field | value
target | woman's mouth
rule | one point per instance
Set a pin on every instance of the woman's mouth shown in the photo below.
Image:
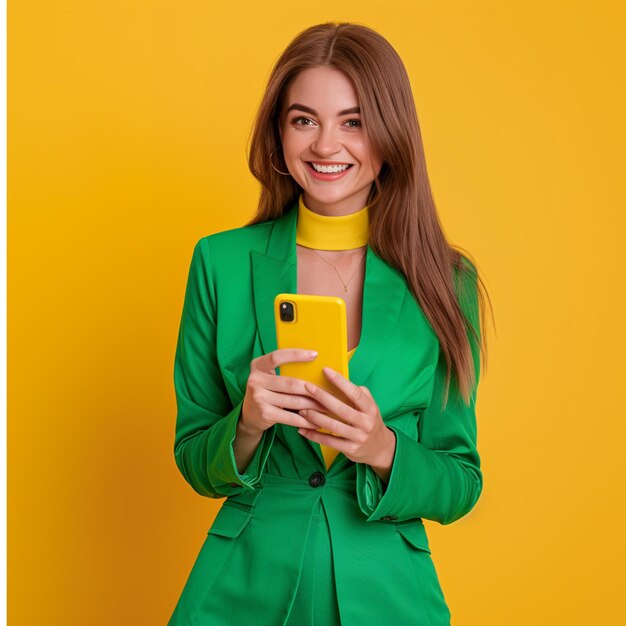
(328, 171)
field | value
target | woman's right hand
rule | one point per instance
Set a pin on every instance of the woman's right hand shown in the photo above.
(270, 399)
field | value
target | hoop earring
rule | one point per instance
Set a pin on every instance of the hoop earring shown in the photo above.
(282, 173)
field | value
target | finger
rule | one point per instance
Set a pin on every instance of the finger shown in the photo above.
(281, 391)
(325, 439)
(359, 399)
(340, 409)
(269, 362)
(285, 384)
(291, 401)
(277, 415)
(339, 428)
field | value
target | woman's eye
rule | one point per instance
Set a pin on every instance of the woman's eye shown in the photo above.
(302, 121)
(354, 123)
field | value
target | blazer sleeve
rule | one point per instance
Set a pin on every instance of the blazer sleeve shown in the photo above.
(438, 477)
(206, 419)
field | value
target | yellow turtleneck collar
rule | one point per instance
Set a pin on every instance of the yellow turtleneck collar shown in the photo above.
(336, 232)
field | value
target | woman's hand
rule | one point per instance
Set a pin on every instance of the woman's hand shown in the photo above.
(364, 437)
(271, 399)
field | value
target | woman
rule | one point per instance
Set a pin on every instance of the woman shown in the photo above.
(319, 528)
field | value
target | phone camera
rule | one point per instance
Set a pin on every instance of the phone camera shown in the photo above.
(286, 311)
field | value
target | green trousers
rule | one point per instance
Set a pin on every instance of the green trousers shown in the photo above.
(315, 603)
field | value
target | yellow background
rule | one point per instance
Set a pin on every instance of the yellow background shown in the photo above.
(127, 128)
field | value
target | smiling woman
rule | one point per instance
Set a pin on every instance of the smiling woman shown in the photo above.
(322, 523)
(329, 143)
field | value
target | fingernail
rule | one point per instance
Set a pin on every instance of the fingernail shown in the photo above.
(312, 353)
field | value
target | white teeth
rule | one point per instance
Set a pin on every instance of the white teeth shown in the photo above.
(330, 169)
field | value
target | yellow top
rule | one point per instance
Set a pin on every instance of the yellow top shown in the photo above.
(331, 232)
(336, 232)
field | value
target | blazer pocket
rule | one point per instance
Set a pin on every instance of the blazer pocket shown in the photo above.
(420, 390)
(230, 520)
(415, 534)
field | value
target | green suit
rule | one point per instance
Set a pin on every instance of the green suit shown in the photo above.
(248, 568)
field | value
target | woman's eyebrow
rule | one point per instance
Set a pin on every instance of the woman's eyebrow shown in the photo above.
(302, 107)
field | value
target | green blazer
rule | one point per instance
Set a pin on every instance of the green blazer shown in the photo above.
(248, 567)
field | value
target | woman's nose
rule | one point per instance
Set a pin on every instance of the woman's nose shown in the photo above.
(326, 143)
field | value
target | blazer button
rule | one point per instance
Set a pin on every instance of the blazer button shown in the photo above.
(316, 479)
(391, 517)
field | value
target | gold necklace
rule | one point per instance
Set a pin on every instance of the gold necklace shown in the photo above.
(345, 285)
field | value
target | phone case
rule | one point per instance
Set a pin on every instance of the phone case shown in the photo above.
(319, 323)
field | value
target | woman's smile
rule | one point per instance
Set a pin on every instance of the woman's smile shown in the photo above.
(328, 171)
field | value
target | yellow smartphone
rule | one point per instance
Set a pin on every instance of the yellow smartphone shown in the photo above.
(313, 322)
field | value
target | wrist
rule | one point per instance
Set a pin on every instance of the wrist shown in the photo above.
(383, 462)
(246, 430)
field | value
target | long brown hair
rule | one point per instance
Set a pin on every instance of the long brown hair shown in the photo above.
(404, 226)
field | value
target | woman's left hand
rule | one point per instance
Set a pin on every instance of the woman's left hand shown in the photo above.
(364, 437)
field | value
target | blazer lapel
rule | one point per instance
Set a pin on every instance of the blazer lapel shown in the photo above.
(275, 271)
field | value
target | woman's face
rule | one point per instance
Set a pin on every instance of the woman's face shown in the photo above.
(324, 147)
